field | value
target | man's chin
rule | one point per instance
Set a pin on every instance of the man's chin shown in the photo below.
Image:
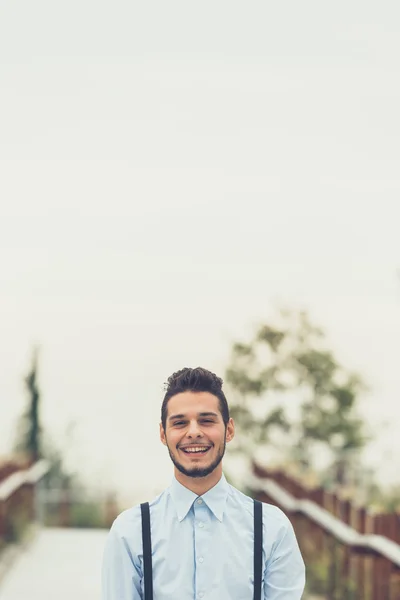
(199, 471)
(196, 471)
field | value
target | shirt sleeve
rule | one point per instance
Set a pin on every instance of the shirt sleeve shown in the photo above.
(120, 576)
(284, 577)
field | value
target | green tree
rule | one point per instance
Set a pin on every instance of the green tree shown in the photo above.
(29, 430)
(286, 365)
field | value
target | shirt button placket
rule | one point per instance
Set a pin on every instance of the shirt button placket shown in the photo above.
(201, 543)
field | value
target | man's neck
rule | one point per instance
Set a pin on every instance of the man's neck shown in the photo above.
(199, 485)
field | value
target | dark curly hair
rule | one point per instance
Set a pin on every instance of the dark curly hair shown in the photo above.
(194, 380)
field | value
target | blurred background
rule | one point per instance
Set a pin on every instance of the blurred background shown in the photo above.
(200, 185)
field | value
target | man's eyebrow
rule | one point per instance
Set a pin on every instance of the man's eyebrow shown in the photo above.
(175, 417)
(202, 414)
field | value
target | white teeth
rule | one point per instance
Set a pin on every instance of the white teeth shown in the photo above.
(195, 449)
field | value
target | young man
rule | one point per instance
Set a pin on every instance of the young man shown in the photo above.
(203, 537)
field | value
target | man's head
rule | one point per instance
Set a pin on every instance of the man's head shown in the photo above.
(195, 423)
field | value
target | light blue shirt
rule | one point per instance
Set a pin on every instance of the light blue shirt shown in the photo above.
(202, 548)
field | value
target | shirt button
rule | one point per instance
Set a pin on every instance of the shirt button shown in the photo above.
(201, 594)
(199, 501)
(201, 559)
(201, 524)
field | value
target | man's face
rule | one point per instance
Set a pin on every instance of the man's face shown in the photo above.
(195, 433)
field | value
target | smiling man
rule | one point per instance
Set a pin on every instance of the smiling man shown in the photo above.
(201, 538)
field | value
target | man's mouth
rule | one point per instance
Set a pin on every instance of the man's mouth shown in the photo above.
(195, 450)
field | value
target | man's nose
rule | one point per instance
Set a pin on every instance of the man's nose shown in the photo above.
(194, 429)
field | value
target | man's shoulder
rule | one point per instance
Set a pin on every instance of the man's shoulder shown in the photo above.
(271, 513)
(128, 517)
(131, 518)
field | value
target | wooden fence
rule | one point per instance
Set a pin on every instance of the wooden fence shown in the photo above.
(19, 499)
(350, 553)
(25, 496)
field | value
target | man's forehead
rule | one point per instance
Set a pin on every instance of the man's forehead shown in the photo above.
(193, 403)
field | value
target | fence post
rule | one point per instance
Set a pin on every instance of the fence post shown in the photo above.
(64, 508)
(2, 519)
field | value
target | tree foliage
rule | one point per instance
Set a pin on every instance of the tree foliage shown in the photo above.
(287, 368)
(29, 432)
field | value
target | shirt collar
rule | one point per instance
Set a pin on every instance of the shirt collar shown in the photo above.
(215, 498)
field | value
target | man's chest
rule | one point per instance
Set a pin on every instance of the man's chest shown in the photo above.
(202, 558)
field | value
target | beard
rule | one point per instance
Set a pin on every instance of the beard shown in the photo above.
(199, 471)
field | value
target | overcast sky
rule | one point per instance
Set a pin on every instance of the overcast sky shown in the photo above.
(169, 172)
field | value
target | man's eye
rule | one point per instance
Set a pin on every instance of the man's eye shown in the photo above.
(202, 421)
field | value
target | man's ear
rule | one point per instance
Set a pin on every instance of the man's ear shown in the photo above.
(162, 435)
(230, 430)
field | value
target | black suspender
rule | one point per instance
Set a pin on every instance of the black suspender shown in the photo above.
(148, 565)
(147, 561)
(258, 548)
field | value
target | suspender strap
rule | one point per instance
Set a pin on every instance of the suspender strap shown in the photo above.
(258, 549)
(147, 561)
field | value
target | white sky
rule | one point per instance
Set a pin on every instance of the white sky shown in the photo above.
(170, 171)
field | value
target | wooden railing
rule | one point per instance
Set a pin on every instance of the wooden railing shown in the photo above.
(18, 500)
(350, 553)
(25, 496)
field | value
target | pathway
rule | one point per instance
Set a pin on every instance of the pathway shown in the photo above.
(60, 564)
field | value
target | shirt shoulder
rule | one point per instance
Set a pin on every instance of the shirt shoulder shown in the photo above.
(274, 519)
(129, 522)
